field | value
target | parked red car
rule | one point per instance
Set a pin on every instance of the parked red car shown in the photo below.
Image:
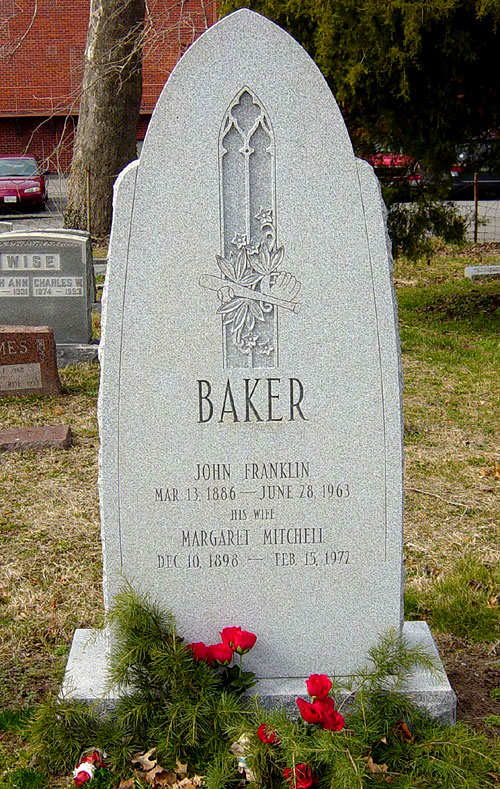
(396, 168)
(21, 182)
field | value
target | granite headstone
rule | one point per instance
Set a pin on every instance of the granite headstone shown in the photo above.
(48, 278)
(250, 403)
(28, 362)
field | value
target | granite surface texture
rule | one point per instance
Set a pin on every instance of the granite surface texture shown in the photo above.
(250, 399)
(47, 277)
(6, 227)
(265, 457)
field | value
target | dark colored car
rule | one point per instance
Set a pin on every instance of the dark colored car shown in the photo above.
(482, 158)
(21, 182)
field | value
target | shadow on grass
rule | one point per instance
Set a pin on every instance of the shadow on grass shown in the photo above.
(476, 308)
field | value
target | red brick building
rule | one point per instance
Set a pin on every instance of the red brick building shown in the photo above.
(42, 49)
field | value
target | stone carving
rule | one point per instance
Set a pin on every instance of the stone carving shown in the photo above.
(252, 284)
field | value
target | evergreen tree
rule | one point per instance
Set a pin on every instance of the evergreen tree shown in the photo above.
(419, 76)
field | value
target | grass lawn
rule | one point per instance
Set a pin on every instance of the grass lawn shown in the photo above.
(50, 576)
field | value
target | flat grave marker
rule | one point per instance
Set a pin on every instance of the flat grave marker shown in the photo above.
(482, 272)
(48, 437)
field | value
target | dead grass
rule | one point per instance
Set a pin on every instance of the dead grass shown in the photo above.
(452, 416)
(50, 579)
(50, 576)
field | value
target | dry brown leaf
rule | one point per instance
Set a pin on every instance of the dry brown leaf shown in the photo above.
(494, 601)
(129, 784)
(151, 776)
(491, 471)
(404, 732)
(376, 768)
(144, 760)
(163, 778)
(181, 769)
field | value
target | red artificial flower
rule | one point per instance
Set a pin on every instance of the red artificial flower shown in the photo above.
(83, 776)
(84, 771)
(304, 777)
(309, 713)
(319, 685)
(321, 711)
(267, 735)
(228, 635)
(334, 721)
(323, 707)
(220, 653)
(199, 650)
(241, 640)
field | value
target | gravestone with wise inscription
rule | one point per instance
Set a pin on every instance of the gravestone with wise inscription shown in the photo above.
(250, 403)
(48, 278)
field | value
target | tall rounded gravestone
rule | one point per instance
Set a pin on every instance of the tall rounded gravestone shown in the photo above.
(250, 405)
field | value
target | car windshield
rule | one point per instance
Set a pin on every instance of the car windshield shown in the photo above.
(18, 167)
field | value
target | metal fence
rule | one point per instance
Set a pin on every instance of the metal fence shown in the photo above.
(488, 219)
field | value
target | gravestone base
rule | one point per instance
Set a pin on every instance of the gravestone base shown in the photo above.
(76, 353)
(86, 671)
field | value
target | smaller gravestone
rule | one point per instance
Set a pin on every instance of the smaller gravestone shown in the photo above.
(28, 362)
(482, 272)
(48, 278)
(49, 437)
(6, 227)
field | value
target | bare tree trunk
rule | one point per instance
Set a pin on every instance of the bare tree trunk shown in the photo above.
(109, 110)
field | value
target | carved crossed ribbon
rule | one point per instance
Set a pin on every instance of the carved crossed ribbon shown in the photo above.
(281, 293)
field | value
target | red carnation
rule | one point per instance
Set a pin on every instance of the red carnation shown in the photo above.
(304, 777)
(267, 735)
(334, 721)
(321, 711)
(228, 635)
(318, 685)
(220, 653)
(323, 706)
(199, 650)
(241, 640)
(308, 711)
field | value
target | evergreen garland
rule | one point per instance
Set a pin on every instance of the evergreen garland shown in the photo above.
(182, 708)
